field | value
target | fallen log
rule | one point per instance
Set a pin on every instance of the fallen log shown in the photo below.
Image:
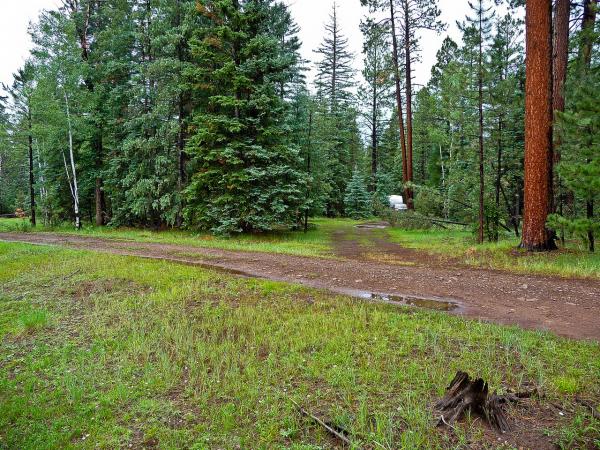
(465, 394)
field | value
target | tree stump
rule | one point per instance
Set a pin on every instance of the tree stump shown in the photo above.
(465, 394)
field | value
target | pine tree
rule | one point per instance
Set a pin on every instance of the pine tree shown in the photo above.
(335, 74)
(538, 126)
(560, 60)
(8, 186)
(21, 92)
(286, 30)
(375, 96)
(579, 129)
(481, 23)
(307, 132)
(415, 15)
(245, 175)
(357, 199)
(505, 98)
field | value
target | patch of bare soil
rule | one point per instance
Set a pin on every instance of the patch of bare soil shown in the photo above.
(529, 421)
(367, 242)
(568, 307)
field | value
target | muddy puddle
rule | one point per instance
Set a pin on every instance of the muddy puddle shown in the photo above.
(431, 303)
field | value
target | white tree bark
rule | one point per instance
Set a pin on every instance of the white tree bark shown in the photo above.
(72, 183)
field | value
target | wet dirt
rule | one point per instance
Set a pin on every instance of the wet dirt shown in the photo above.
(374, 269)
(436, 304)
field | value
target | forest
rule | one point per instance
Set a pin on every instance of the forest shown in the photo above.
(214, 235)
(198, 115)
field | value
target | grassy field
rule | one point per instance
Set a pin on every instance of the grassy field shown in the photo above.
(113, 351)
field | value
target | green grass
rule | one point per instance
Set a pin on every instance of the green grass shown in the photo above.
(572, 261)
(142, 353)
(316, 242)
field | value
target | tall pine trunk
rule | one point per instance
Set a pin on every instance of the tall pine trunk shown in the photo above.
(587, 27)
(481, 152)
(374, 156)
(409, 126)
(585, 60)
(334, 63)
(538, 126)
(395, 59)
(560, 60)
(498, 177)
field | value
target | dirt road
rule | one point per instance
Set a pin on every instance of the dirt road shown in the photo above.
(568, 307)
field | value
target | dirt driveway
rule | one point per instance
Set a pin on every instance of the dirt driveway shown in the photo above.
(568, 307)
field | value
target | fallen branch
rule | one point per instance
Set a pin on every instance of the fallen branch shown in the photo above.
(464, 394)
(593, 411)
(65, 278)
(325, 425)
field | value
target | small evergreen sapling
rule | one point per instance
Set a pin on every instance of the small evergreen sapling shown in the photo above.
(357, 199)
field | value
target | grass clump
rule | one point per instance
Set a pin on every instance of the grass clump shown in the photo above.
(150, 353)
(33, 320)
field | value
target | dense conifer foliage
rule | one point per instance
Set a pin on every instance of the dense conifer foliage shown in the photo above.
(200, 114)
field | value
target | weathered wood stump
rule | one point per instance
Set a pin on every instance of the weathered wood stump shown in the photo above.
(465, 394)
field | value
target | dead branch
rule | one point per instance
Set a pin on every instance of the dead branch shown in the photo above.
(593, 411)
(325, 425)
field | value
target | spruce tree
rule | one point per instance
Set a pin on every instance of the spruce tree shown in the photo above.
(245, 173)
(357, 199)
(337, 118)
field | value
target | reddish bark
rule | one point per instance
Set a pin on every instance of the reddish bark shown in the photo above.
(405, 178)
(590, 8)
(561, 54)
(587, 27)
(538, 126)
(409, 127)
